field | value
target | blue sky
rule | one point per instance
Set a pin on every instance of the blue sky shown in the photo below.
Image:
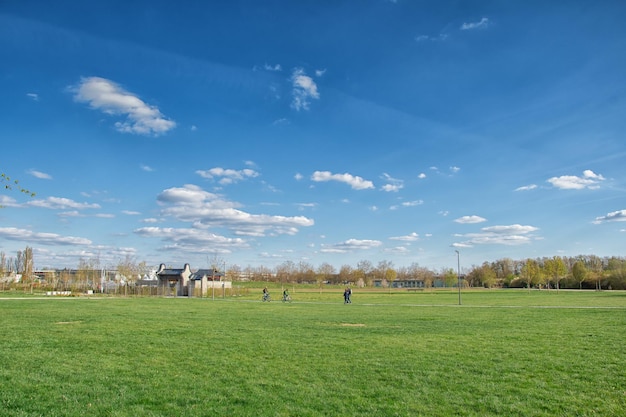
(316, 131)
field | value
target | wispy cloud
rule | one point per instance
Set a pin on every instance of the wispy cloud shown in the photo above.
(510, 235)
(33, 96)
(39, 174)
(203, 210)
(411, 237)
(614, 216)
(192, 240)
(227, 176)
(470, 219)
(407, 204)
(60, 203)
(589, 180)
(110, 98)
(146, 168)
(351, 245)
(357, 183)
(481, 24)
(430, 38)
(526, 187)
(304, 89)
(25, 235)
(394, 184)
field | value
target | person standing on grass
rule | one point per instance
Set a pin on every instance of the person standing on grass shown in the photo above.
(346, 296)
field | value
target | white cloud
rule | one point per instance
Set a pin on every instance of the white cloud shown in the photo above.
(131, 213)
(357, 183)
(482, 24)
(276, 67)
(192, 239)
(421, 176)
(304, 89)
(6, 201)
(59, 203)
(150, 220)
(298, 176)
(320, 73)
(426, 38)
(33, 96)
(512, 229)
(407, 204)
(40, 175)
(25, 235)
(515, 234)
(350, 245)
(412, 237)
(614, 216)
(394, 185)
(589, 180)
(526, 187)
(203, 209)
(470, 219)
(392, 188)
(110, 98)
(76, 213)
(146, 168)
(227, 176)
(454, 169)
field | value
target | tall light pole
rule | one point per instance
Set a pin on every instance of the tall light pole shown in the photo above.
(222, 279)
(458, 273)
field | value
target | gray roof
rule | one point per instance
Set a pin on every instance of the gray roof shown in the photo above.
(206, 273)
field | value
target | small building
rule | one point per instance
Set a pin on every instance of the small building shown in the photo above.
(174, 281)
(204, 279)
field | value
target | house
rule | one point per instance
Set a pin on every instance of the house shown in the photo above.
(203, 279)
(174, 281)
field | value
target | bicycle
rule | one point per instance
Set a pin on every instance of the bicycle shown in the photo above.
(286, 298)
(266, 297)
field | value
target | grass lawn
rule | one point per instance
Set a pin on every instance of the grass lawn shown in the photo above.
(501, 353)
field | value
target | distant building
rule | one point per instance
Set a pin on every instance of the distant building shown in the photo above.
(174, 281)
(203, 279)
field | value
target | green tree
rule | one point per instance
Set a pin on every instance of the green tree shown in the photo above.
(325, 273)
(450, 277)
(386, 273)
(579, 272)
(555, 268)
(346, 274)
(483, 275)
(129, 272)
(531, 272)
(364, 269)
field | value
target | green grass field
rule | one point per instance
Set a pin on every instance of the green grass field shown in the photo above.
(501, 353)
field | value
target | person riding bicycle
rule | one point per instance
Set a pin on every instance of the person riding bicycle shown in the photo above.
(266, 294)
(286, 296)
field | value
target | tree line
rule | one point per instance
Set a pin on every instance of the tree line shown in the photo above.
(580, 272)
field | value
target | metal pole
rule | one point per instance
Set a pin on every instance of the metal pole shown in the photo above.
(458, 273)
